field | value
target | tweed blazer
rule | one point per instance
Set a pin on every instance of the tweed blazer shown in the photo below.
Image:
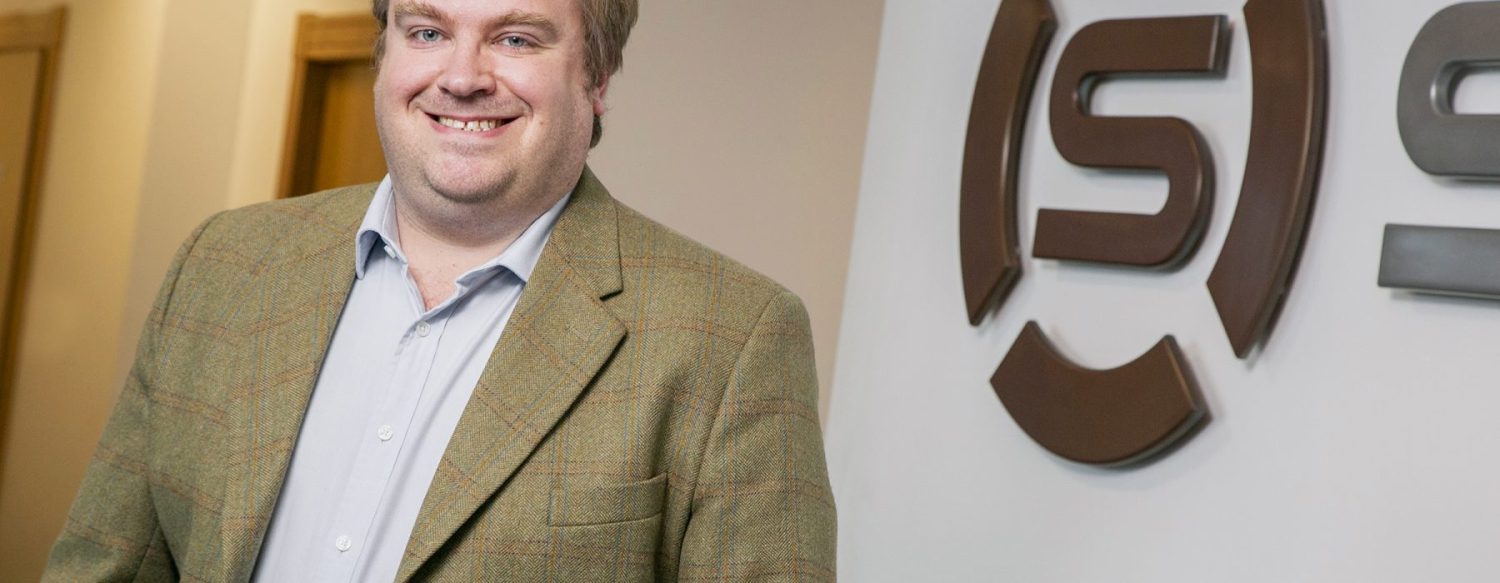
(650, 413)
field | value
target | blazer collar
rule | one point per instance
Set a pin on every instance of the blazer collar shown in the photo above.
(558, 338)
(299, 288)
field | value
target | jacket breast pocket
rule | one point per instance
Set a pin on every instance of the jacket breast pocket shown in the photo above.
(614, 503)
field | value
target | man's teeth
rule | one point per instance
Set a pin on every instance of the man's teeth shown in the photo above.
(469, 126)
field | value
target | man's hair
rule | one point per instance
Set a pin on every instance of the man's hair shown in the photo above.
(606, 28)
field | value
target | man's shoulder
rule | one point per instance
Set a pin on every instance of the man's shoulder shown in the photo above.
(678, 271)
(331, 212)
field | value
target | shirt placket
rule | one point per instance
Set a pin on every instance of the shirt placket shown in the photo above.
(381, 443)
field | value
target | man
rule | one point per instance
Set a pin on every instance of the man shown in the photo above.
(485, 368)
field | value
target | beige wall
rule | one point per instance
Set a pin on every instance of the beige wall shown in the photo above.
(65, 373)
(193, 127)
(739, 122)
(742, 124)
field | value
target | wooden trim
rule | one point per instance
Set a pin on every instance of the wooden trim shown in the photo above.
(42, 32)
(322, 42)
(33, 30)
(347, 37)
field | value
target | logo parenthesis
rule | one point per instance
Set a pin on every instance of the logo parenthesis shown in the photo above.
(1289, 64)
(992, 152)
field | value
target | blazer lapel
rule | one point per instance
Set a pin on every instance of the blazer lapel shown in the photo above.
(556, 341)
(297, 297)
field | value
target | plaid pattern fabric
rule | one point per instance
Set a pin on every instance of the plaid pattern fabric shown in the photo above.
(649, 414)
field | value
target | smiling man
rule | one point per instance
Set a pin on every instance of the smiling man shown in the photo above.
(483, 368)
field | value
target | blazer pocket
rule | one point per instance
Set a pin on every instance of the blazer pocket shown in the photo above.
(584, 506)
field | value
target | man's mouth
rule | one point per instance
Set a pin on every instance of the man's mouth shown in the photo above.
(473, 125)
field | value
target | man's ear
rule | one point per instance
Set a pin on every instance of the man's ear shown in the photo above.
(596, 95)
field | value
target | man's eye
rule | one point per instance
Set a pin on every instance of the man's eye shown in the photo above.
(428, 35)
(514, 42)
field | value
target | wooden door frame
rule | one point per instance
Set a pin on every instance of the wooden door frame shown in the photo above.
(26, 31)
(323, 43)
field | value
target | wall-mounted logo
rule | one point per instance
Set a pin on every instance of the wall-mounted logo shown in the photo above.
(1124, 415)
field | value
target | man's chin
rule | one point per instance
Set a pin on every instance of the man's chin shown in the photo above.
(466, 196)
(468, 191)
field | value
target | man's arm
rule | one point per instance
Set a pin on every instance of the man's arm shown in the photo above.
(112, 532)
(762, 506)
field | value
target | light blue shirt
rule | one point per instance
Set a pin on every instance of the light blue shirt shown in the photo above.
(391, 391)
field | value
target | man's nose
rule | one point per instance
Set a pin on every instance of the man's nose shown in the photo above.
(468, 72)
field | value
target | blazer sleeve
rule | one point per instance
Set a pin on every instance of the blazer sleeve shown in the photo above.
(112, 532)
(762, 506)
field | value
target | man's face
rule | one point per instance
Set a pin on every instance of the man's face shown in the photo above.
(483, 99)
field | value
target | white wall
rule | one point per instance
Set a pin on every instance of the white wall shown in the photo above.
(1356, 446)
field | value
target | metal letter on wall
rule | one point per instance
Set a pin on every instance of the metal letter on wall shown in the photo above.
(1138, 410)
(992, 154)
(1454, 41)
(1194, 44)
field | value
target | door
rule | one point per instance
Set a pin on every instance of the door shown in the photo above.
(331, 138)
(29, 43)
(28, 54)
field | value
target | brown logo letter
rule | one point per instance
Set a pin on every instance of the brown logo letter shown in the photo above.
(1194, 44)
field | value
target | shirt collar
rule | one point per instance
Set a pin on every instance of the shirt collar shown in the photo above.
(379, 228)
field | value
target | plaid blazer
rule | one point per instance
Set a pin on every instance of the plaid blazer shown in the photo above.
(649, 414)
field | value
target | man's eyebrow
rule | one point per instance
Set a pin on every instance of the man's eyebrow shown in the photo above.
(417, 8)
(513, 18)
(524, 18)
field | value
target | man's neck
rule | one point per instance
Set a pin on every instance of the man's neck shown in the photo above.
(440, 249)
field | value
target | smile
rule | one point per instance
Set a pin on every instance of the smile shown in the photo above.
(478, 125)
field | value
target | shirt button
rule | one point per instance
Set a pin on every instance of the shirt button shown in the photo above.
(385, 432)
(423, 328)
(343, 543)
